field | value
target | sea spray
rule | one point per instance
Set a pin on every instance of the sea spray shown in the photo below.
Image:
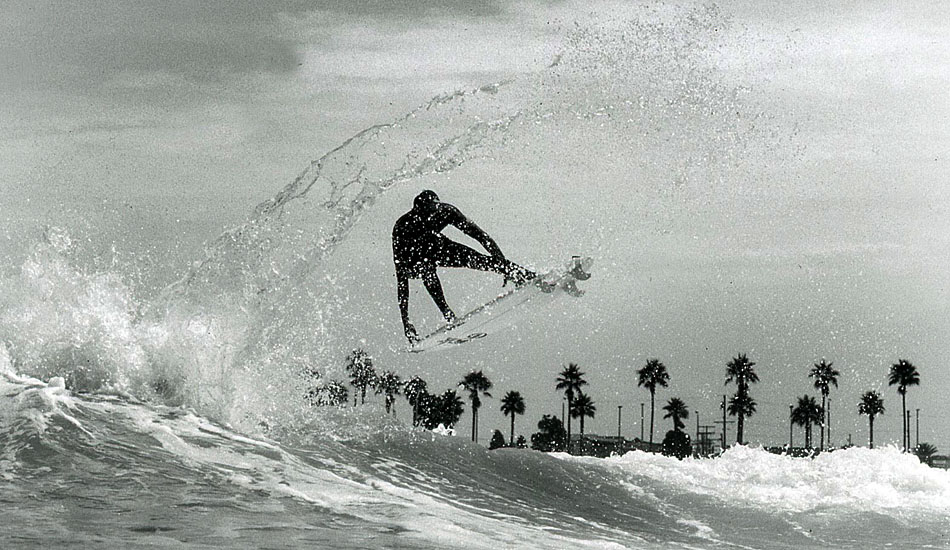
(637, 98)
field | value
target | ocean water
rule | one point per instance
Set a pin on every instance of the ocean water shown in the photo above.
(111, 471)
(176, 418)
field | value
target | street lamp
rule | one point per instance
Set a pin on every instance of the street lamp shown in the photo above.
(790, 407)
(619, 407)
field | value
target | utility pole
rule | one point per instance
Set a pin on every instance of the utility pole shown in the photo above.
(619, 407)
(697, 425)
(790, 408)
(705, 439)
(641, 422)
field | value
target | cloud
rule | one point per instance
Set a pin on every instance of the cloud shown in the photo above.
(80, 44)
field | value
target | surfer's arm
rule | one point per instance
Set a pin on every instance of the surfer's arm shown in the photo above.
(469, 228)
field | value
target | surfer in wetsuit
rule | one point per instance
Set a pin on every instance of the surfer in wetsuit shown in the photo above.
(419, 247)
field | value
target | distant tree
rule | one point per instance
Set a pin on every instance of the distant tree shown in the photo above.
(825, 376)
(742, 406)
(677, 443)
(676, 409)
(806, 413)
(333, 393)
(362, 373)
(445, 409)
(872, 405)
(497, 441)
(925, 452)
(903, 374)
(389, 384)
(521, 443)
(476, 384)
(570, 380)
(414, 389)
(653, 374)
(550, 434)
(451, 408)
(583, 407)
(511, 404)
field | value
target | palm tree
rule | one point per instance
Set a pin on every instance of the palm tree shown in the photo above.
(362, 374)
(740, 371)
(390, 384)
(652, 375)
(511, 404)
(676, 409)
(583, 407)
(476, 383)
(825, 375)
(445, 409)
(872, 405)
(806, 413)
(925, 452)
(414, 389)
(904, 373)
(570, 380)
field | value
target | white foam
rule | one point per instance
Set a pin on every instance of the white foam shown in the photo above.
(881, 480)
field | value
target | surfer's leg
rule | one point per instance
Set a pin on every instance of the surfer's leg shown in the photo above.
(402, 291)
(453, 254)
(434, 286)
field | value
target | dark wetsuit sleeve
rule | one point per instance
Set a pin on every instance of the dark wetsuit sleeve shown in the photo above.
(456, 218)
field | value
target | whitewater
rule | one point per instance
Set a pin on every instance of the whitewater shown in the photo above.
(178, 418)
(83, 471)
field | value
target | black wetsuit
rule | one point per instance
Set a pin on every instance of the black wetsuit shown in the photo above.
(419, 248)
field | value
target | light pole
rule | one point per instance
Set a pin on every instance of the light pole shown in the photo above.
(641, 422)
(619, 407)
(917, 428)
(790, 407)
(907, 431)
(828, 422)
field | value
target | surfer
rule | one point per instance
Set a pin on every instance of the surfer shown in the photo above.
(419, 247)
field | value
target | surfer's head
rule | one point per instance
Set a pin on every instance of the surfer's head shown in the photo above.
(426, 201)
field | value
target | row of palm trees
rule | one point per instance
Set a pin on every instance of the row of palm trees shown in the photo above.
(427, 409)
(807, 412)
(654, 374)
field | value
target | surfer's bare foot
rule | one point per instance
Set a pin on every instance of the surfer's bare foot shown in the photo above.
(520, 277)
(411, 334)
(450, 317)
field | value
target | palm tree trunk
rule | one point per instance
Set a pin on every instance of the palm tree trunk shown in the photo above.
(511, 441)
(363, 395)
(739, 425)
(652, 401)
(821, 446)
(808, 435)
(570, 402)
(870, 431)
(474, 426)
(582, 424)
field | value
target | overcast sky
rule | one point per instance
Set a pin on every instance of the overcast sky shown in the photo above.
(153, 127)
